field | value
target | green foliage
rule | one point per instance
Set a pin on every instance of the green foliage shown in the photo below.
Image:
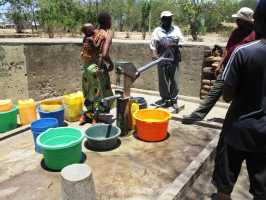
(199, 16)
(18, 12)
(248, 3)
(51, 20)
(65, 14)
(145, 10)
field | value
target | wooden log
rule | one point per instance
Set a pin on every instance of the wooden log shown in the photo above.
(206, 87)
(206, 82)
(204, 92)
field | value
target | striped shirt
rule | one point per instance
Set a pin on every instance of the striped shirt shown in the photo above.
(244, 126)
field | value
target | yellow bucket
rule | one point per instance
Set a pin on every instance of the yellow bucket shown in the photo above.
(27, 111)
(73, 106)
(6, 105)
(80, 94)
(134, 108)
(51, 105)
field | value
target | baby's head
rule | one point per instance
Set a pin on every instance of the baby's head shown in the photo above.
(88, 29)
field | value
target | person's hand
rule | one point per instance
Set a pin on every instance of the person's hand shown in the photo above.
(99, 72)
(218, 70)
(111, 67)
(155, 56)
(86, 45)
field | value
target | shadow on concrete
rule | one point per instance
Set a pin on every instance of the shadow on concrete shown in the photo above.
(94, 148)
(15, 133)
(200, 123)
(43, 165)
(217, 120)
(135, 136)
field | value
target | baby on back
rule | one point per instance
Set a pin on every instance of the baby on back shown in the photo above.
(92, 44)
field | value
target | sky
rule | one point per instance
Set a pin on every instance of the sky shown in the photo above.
(3, 10)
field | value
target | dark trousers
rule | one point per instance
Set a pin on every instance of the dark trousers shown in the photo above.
(168, 81)
(228, 164)
(213, 96)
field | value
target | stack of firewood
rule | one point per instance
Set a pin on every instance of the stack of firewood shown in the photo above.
(211, 63)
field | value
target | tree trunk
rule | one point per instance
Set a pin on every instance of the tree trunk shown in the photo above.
(143, 35)
(97, 8)
(34, 19)
(50, 32)
(19, 27)
(194, 31)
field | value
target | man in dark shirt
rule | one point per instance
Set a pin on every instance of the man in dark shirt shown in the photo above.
(243, 137)
(241, 35)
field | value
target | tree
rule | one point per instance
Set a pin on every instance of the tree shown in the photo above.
(248, 3)
(191, 12)
(49, 15)
(67, 14)
(19, 12)
(145, 10)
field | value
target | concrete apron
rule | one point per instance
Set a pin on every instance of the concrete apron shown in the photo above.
(169, 188)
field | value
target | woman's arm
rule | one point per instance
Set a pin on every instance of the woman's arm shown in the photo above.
(105, 52)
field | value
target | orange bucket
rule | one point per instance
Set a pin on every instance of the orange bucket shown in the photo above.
(152, 124)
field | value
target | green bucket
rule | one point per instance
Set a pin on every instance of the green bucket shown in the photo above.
(8, 120)
(61, 147)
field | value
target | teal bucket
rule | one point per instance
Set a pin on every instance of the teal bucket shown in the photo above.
(102, 137)
(61, 147)
(8, 120)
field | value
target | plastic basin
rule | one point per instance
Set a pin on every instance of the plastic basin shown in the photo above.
(58, 114)
(61, 147)
(41, 125)
(152, 124)
(8, 120)
(102, 137)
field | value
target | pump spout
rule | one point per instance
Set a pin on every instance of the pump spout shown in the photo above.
(105, 100)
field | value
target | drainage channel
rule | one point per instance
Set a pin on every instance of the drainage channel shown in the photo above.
(183, 183)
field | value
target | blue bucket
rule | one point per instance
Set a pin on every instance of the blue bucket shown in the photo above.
(58, 114)
(141, 101)
(41, 125)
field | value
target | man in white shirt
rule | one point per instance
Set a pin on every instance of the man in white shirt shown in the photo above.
(162, 39)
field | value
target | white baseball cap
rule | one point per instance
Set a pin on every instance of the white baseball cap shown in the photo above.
(245, 14)
(166, 13)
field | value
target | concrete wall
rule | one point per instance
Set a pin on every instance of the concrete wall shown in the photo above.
(13, 72)
(53, 69)
(41, 70)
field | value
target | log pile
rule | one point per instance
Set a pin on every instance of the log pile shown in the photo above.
(211, 63)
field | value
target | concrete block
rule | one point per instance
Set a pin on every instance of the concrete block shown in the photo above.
(77, 183)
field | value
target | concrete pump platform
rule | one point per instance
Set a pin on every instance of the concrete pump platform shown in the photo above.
(134, 170)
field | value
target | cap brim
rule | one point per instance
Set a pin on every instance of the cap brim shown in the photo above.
(235, 16)
(166, 16)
